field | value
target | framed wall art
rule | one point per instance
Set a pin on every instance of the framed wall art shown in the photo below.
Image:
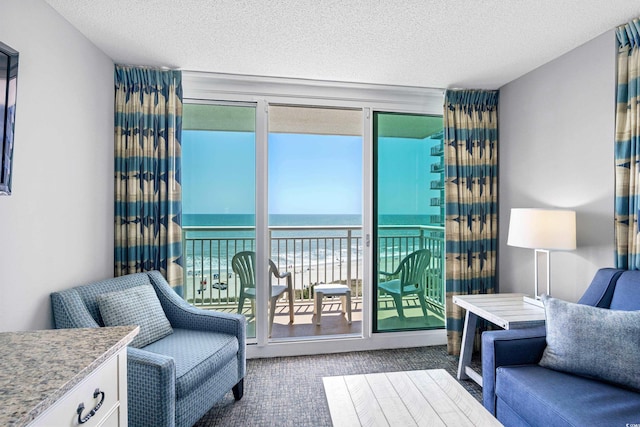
(8, 91)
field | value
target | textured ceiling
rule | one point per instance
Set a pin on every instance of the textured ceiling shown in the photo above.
(428, 43)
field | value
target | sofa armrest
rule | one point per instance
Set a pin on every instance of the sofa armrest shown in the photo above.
(69, 311)
(185, 316)
(507, 348)
(151, 388)
(182, 315)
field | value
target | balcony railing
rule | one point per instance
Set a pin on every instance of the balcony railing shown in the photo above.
(313, 254)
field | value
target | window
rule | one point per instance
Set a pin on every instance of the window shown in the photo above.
(409, 219)
(315, 212)
(218, 205)
(333, 183)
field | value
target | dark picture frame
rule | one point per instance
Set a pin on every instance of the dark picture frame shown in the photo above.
(8, 92)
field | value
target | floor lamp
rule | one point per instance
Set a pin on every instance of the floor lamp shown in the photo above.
(542, 230)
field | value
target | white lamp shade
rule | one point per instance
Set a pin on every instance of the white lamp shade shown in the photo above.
(542, 229)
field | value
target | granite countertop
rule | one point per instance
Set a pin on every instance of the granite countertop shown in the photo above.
(38, 367)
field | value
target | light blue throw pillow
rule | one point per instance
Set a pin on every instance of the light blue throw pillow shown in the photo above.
(136, 306)
(593, 342)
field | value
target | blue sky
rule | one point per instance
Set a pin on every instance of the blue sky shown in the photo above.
(404, 176)
(218, 172)
(314, 174)
(308, 174)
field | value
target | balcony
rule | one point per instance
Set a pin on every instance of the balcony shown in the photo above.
(313, 255)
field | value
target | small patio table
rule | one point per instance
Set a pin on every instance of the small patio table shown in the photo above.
(332, 289)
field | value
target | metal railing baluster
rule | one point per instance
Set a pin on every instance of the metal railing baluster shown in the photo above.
(207, 258)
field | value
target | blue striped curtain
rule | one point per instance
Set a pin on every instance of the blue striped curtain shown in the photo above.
(627, 145)
(148, 205)
(471, 193)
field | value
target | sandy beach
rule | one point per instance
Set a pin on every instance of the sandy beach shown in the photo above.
(212, 285)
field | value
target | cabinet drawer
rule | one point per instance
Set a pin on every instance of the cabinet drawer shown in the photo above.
(64, 411)
(113, 419)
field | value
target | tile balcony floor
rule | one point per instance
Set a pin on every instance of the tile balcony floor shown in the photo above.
(334, 321)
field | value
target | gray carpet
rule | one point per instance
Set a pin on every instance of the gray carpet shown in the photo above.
(288, 391)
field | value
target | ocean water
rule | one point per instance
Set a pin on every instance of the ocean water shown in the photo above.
(241, 225)
(248, 220)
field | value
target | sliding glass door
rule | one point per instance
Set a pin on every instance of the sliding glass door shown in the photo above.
(218, 205)
(315, 215)
(315, 224)
(408, 222)
(314, 175)
(312, 187)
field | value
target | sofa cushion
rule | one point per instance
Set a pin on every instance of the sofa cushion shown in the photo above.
(135, 306)
(593, 342)
(554, 398)
(197, 355)
(626, 295)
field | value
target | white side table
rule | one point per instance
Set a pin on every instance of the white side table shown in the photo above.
(332, 289)
(508, 311)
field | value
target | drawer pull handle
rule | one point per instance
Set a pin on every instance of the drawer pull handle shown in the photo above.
(81, 419)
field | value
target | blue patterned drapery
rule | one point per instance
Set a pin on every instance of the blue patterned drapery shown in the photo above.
(471, 193)
(148, 205)
(627, 147)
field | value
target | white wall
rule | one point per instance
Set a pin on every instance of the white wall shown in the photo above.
(56, 229)
(557, 150)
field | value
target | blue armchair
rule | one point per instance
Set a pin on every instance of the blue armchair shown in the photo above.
(521, 392)
(173, 381)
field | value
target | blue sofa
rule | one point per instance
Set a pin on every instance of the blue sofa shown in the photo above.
(520, 392)
(175, 380)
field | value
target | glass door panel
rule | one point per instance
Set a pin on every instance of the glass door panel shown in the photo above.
(408, 222)
(315, 215)
(218, 204)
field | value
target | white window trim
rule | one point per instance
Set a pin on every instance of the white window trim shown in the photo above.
(276, 90)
